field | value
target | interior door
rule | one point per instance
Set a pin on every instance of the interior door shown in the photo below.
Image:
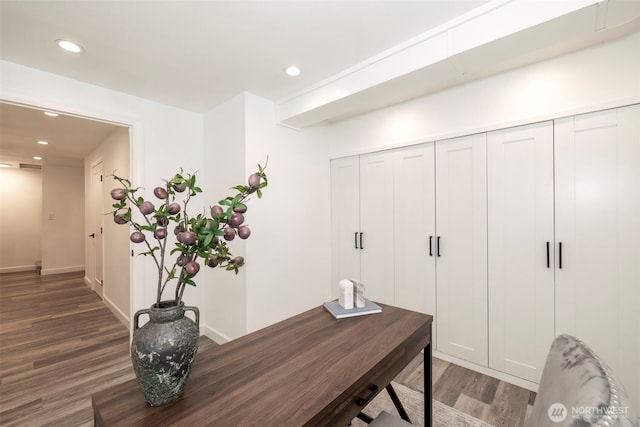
(414, 228)
(345, 221)
(597, 169)
(521, 242)
(461, 247)
(376, 226)
(97, 229)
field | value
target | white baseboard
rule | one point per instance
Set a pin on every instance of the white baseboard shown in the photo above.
(215, 336)
(60, 270)
(87, 282)
(488, 371)
(122, 317)
(17, 268)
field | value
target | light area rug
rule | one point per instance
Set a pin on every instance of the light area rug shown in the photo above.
(413, 402)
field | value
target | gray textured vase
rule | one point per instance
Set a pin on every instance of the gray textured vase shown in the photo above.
(163, 349)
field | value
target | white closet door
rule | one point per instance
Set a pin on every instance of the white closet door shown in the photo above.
(376, 226)
(345, 220)
(461, 264)
(597, 169)
(521, 279)
(414, 228)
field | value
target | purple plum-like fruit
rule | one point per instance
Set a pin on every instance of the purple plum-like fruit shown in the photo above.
(179, 188)
(216, 211)
(174, 208)
(147, 208)
(137, 237)
(236, 219)
(240, 208)
(238, 261)
(188, 237)
(160, 233)
(229, 234)
(244, 232)
(118, 194)
(254, 180)
(119, 219)
(160, 193)
(213, 262)
(192, 267)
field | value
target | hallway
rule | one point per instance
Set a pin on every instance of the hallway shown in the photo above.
(58, 345)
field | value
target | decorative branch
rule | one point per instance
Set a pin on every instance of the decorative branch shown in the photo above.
(200, 238)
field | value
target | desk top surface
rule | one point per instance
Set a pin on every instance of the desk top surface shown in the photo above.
(285, 374)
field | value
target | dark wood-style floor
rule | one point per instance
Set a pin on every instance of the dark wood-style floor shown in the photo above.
(59, 344)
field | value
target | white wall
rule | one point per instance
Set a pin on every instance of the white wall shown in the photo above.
(62, 219)
(20, 219)
(287, 255)
(163, 139)
(603, 76)
(114, 153)
(224, 150)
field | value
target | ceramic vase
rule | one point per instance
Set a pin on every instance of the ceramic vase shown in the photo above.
(163, 349)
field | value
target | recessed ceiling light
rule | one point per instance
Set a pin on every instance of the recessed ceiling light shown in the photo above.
(43, 143)
(37, 158)
(292, 71)
(51, 114)
(69, 46)
(5, 165)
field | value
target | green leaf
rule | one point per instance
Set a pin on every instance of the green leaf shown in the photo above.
(259, 193)
(208, 239)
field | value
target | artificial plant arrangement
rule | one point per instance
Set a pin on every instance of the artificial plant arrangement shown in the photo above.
(201, 239)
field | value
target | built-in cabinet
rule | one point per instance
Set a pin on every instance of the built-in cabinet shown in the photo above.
(382, 210)
(521, 248)
(597, 177)
(461, 248)
(414, 228)
(533, 232)
(375, 235)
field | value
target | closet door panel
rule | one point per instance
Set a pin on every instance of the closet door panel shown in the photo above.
(414, 224)
(597, 221)
(461, 261)
(521, 279)
(345, 220)
(376, 226)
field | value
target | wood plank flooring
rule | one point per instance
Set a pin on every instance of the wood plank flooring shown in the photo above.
(496, 402)
(59, 344)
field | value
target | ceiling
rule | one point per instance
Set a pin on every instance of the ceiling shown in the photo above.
(70, 138)
(192, 55)
(195, 54)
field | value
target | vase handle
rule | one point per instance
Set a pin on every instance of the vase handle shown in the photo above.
(136, 316)
(196, 312)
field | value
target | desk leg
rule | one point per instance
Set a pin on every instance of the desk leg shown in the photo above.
(427, 364)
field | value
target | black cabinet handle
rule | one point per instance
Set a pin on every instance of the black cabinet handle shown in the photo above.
(430, 246)
(355, 239)
(361, 247)
(92, 235)
(362, 401)
(548, 262)
(559, 254)
(438, 246)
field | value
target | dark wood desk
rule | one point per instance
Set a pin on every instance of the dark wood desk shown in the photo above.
(308, 370)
